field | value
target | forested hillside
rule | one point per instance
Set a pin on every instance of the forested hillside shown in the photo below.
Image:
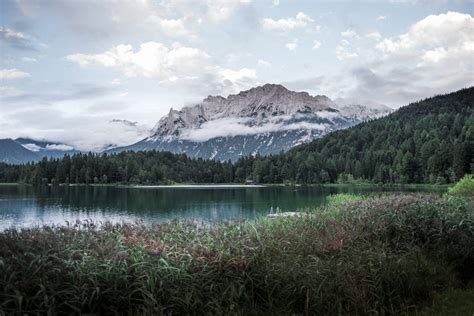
(127, 167)
(431, 141)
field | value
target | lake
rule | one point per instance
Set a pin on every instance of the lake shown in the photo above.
(24, 206)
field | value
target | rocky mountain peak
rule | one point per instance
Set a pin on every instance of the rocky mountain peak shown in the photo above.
(263, 120)
(256, 107)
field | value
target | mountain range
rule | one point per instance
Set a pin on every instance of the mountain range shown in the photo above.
(263, 120)
(13, 152)
(24, 150)
(429, 141)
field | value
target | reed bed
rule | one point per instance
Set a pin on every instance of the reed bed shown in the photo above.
(389, 254)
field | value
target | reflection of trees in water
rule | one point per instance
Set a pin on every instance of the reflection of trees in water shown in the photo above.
(162, 203)
(169, 200)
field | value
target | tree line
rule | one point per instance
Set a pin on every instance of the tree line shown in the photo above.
(431, 141)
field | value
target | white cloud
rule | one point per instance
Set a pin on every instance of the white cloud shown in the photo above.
(16, 39)
(36, 148)
(61, 147)
(343, 50)
(236, 80)
(174, 27)
(219, 10)
(264, 63)
(113, 17)
(374, 35)
(176, 65)
(8, 91)
(13, 74)
(453, 31)
(232, 75)
(32, 147)
(152, 59)
(299, 21)
(381, 18)
(113, 134)
(9, 33)
(228, 127)
(292, 45)
(115, 82)
(349, 33)
(28, 59)
(82, 131)
(316, 44)
(434, 56)
(275, 3)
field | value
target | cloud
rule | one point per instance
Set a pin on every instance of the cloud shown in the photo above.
(301, 20)
(108, 18)
(15, 39)
(28, 60)
(305, 84)
(380, 18)
(292, 45)
(343, 51)
(452, 30)
(264, 63)
(229, 127)
(220, 10)
(316, 44)
(237, 77)
(82, 131)
(374, 35)
(275, 3)
(61, 147)
(175, 65)
(171, 27)
(78, 92)
(111, 135)
(349, 33)
(9, 91)
(115, 82)
(32, 147)
(152, 59)
(429, 2)
(13, 74)
(434, 56)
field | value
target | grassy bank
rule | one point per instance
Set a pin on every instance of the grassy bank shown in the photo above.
(390, 254)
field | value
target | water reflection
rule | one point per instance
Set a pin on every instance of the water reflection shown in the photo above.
(29, 206)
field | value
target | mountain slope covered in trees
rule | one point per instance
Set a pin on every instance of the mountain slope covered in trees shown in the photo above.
(425, 142)
(431, 141)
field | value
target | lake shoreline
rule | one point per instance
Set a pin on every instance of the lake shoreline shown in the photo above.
(28, 206)
(344, 259)
(335, 185)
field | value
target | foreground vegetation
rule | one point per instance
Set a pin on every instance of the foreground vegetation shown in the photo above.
(390, 254)
(430, 141)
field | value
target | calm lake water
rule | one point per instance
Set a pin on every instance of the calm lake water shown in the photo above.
(24, 206)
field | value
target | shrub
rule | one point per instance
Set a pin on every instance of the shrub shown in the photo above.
(337, 199)
(464, 187)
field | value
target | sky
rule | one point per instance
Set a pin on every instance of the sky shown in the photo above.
(94, 73)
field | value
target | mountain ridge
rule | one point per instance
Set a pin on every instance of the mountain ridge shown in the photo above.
(262, 120)
(13, 152)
